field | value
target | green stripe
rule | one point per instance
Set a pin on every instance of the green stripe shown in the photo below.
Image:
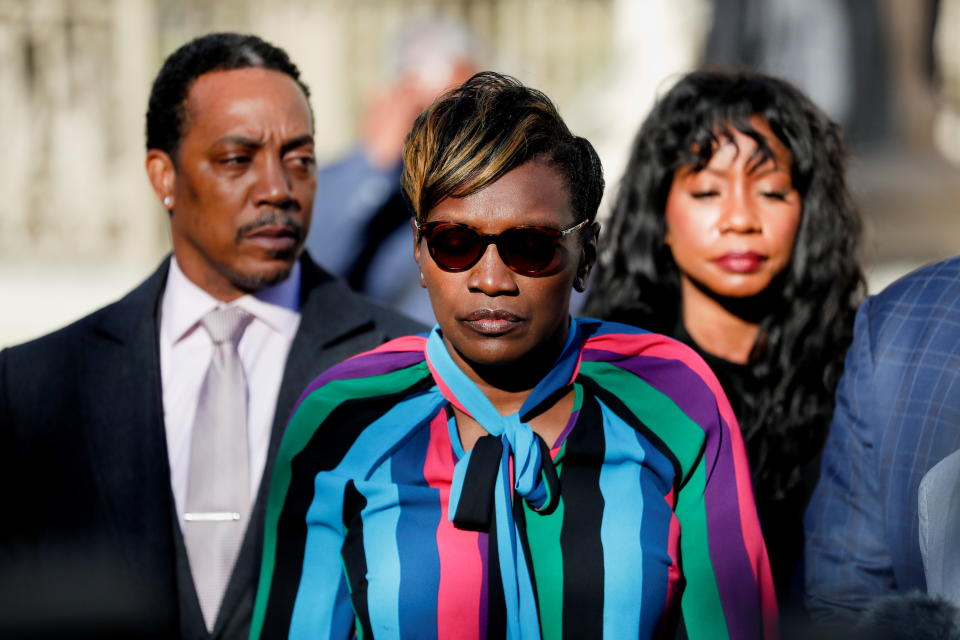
(304, 423)
(543, 533)
(682, 436)
(701, 605)
(685, 439)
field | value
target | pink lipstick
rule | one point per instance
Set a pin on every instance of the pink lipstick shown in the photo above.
(741, 262)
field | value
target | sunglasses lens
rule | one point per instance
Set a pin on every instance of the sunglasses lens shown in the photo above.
(454, 247)
(530, 251)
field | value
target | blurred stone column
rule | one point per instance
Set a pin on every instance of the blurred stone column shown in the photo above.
(654, 42)
(315, 34)
(947, 51)
(140, 222)
(912, 91)
(16, 73)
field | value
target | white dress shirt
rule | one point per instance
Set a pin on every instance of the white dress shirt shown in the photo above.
(186, 351)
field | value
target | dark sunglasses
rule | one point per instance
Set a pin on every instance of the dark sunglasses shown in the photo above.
(528, 250)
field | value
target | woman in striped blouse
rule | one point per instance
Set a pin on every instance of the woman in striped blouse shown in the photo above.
(514, 473)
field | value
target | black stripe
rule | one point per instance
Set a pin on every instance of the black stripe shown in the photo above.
(354, 555)
(580, 543)
(479, 484)
(621, 410)
(496, 605)
(520, 516)
(327, 446)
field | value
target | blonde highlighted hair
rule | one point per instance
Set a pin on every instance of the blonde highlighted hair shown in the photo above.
(473, 135)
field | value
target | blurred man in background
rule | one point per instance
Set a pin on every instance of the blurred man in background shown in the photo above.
(365, 231)
(136, 443)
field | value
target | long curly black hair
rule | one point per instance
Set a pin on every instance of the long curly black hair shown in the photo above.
(810, 308)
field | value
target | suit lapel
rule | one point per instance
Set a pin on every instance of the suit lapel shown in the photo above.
(331, 314)
(125, 433)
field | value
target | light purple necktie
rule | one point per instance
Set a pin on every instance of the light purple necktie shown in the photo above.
(218, 485)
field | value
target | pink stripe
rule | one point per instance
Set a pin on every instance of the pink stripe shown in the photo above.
(674, 575)
(663, 347)
(403, 343)
(444, 389)
(656, 345)
(461, 564)
(576, 369)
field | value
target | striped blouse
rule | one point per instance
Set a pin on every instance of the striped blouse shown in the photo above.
(374, 530)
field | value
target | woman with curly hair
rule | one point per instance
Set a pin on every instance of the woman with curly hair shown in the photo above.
(734, 232)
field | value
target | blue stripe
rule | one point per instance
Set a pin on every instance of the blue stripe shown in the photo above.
(395, 426)
(383, 557)
(322, 567)
(657, 481)
(620, 528)
(322, 573)
(419, 555)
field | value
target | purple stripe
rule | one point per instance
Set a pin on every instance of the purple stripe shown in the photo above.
(689, 391)
(567, 429)
(670, 377)
(362, 366)
(483, 541)
(742, 610)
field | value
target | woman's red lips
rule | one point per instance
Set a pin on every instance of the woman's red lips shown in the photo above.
(737, 262)
(491, 322)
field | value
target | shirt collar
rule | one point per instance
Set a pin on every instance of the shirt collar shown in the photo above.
(184, 304)
(278, 306)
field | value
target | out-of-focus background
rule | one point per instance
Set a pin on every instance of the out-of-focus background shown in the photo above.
(79, 225)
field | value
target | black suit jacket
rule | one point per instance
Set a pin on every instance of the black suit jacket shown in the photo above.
(90, 544)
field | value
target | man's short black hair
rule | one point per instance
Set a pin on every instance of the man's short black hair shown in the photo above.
(166, 113)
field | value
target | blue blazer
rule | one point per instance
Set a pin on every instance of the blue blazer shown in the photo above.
(897, 415)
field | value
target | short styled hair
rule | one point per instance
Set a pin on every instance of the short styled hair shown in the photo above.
(166, 113)
(473, 135)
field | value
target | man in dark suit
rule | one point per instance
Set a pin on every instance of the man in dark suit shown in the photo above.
(897, 415)
(114, 429)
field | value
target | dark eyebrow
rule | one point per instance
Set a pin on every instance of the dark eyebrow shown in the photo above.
(716, 172)
(766, 168)
(241, 141)
(299, 141)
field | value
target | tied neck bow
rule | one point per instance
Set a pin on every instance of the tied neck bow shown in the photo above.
(483, 475)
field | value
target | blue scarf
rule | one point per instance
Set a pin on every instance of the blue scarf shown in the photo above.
(484, 471)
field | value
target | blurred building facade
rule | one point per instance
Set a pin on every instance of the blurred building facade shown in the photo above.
(80, 224)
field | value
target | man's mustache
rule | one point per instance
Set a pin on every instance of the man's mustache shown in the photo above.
(271, 219)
